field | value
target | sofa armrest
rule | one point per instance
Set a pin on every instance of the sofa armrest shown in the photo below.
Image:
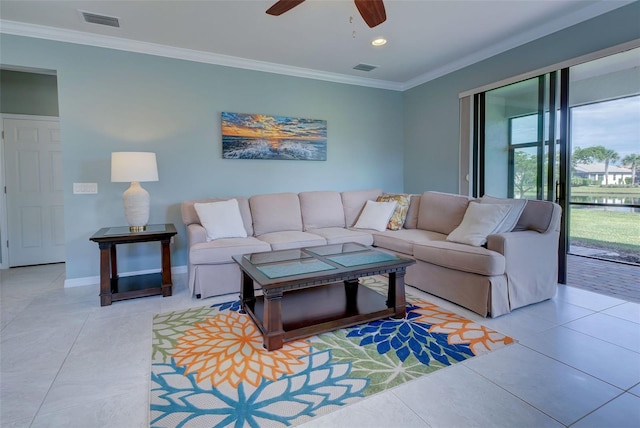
(515, 241)
(196, 234)
(531, 264)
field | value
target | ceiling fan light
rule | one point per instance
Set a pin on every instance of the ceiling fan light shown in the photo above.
(379, 41)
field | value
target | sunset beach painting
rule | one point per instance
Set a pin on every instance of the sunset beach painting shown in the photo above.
(258, 136)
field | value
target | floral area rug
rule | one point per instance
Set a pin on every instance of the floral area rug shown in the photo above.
(209, 368)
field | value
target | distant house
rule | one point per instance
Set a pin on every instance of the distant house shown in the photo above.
(595, 172)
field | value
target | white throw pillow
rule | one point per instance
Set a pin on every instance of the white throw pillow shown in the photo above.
(221, 219)
(376, 215)
(511, 219)
(480, 221)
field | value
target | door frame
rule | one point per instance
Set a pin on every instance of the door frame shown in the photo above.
(4, 222)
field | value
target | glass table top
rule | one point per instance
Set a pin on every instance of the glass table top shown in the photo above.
(294, 267)
(362, 258)
(276, 256)
(327, 250)
(285, 263)
(123, 230)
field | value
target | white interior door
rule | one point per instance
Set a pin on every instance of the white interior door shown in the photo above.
(33, 173)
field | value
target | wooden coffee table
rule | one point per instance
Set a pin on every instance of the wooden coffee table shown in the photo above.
(313, 290)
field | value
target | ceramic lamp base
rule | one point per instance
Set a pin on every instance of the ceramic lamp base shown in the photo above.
(136, 206)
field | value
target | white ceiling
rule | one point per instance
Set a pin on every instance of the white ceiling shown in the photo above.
(316, 39)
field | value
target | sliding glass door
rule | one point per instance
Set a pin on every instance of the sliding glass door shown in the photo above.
(571, 136)
(520, 151)
(519, 160)
(604, 205)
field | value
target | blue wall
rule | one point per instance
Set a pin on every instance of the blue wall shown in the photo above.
(111, 100)
(116, 101)
(431, 121)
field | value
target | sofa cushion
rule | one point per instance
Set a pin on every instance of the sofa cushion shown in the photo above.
(411, 221)
(510, 221)
(221, 250)
(402, 240)
(441, 212)
(537, 215)
(190, 216)
(285, 240)
(376, 215)
(321, 209)
(353, 203)
(461, 257)
(480, 221)
(221, 219)
(275, 212)
(340, 235)
(400, 213)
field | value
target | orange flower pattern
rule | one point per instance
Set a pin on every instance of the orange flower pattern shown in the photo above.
(460, 330)
(209, 364)
(228, 348)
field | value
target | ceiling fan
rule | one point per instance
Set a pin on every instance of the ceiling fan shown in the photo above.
(372, 11)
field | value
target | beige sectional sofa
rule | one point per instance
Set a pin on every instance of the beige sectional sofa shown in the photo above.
(514, 268)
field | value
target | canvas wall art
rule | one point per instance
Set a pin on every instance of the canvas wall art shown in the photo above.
(257, 136)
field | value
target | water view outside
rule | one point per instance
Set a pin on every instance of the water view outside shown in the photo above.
(605, 174)
(604, 217)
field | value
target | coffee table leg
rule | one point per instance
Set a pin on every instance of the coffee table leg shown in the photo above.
(396, 297)
(247, 296)
(351, 291)
(272, 320)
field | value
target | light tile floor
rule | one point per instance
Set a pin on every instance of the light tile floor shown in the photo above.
(67, 362)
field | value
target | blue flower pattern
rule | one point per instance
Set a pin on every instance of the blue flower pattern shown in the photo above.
(234, 306)
(179, 400)
(303, 394)
(408, 337)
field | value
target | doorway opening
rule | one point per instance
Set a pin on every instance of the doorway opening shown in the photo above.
(31, 204)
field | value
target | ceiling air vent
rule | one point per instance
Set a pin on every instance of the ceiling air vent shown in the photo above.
(93, 18)
(365, 67)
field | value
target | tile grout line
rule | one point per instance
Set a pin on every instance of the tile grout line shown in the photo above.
(599, 407)
(514, 395)
(60, 369)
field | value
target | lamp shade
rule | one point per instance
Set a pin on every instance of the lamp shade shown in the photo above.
(133, 166)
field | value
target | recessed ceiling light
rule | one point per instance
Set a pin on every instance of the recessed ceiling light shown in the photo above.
(380, 41)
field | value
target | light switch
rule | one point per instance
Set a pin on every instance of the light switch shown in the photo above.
(85, 188)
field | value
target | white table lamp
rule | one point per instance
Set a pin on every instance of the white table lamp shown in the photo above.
(134, 167)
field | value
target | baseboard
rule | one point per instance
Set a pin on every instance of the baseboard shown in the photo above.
(94, 280)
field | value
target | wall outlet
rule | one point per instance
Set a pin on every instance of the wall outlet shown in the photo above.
(85, 188)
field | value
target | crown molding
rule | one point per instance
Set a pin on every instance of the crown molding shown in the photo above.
(117, 43)
(109, 42)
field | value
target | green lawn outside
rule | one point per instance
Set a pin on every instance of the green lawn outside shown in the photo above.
(606, 229)
(589, 190)
(599, 192)
(614, 230)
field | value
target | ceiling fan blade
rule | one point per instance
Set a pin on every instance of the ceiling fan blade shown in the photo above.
(372, 11)
(283, 6)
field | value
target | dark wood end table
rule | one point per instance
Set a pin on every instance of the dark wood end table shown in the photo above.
(112, 287)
